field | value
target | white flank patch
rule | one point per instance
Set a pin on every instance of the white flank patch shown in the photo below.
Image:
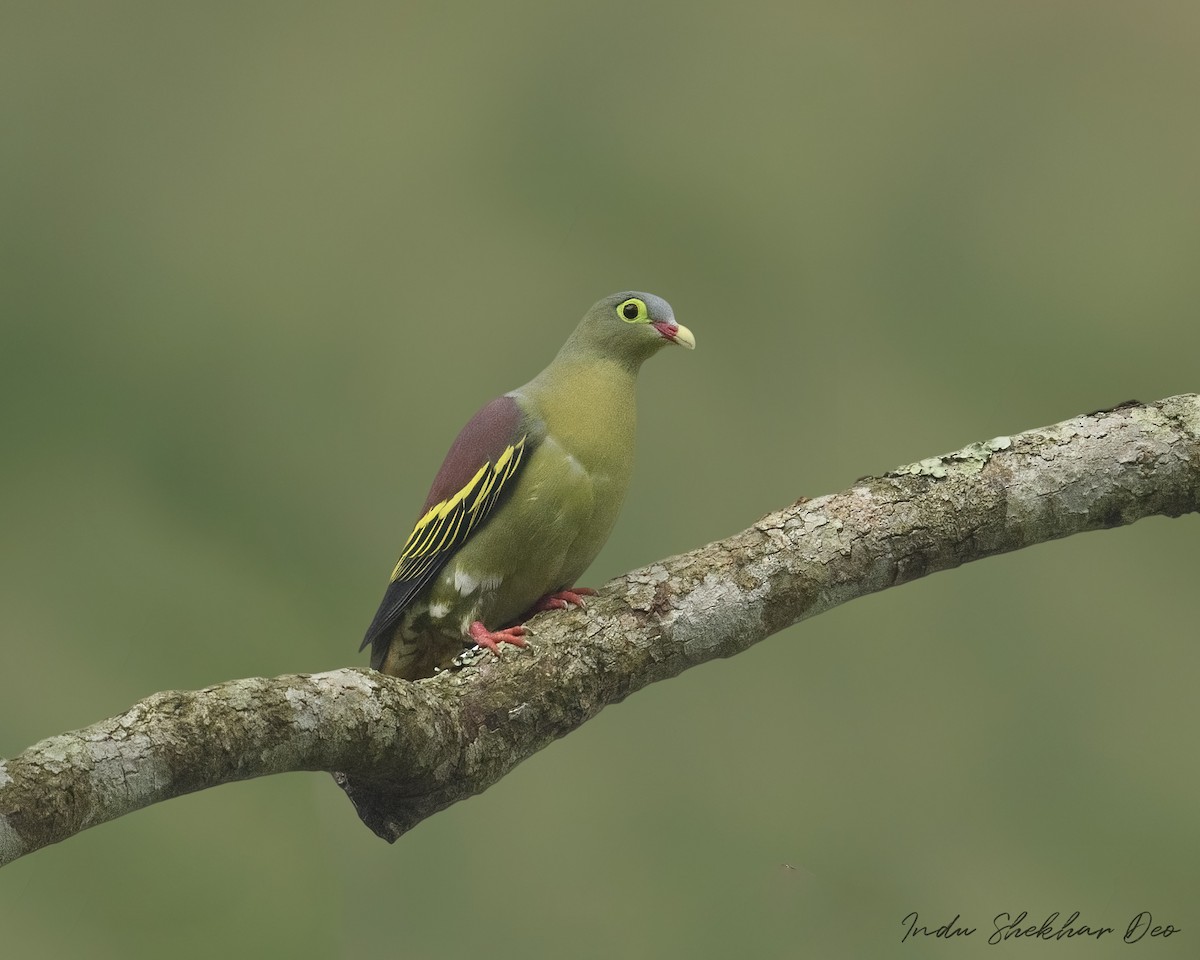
(438, 610)
(464, 583)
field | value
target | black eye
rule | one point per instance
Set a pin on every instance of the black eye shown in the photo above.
(630, 311)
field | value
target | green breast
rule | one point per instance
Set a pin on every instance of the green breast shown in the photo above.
(564, 503)
(590, 413)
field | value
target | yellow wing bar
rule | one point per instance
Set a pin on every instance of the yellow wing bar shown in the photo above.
(448, 523)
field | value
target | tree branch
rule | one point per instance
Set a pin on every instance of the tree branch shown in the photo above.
(410, 749)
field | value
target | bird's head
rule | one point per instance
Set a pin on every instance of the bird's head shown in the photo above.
(629, 327)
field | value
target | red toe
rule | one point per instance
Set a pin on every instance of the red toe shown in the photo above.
(564, 598)
(491, 639)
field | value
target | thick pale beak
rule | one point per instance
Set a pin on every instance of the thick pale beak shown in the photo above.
(676, 333)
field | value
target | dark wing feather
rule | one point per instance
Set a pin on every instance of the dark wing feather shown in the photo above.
(477, 472)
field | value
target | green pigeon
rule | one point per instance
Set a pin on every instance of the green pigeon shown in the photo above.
(526, 497)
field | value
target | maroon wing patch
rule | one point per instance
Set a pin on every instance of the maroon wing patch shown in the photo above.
(476, 473)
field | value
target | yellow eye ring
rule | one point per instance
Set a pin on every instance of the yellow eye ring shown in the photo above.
(633, 310)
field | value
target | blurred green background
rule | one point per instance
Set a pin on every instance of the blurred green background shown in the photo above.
(261, 261)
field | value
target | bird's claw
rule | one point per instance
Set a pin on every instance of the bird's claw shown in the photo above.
(491, 639)
(563, 599)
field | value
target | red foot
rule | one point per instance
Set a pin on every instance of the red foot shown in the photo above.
(564, 598)
(491, 639)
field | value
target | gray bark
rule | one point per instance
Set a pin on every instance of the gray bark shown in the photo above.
(407, 750)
